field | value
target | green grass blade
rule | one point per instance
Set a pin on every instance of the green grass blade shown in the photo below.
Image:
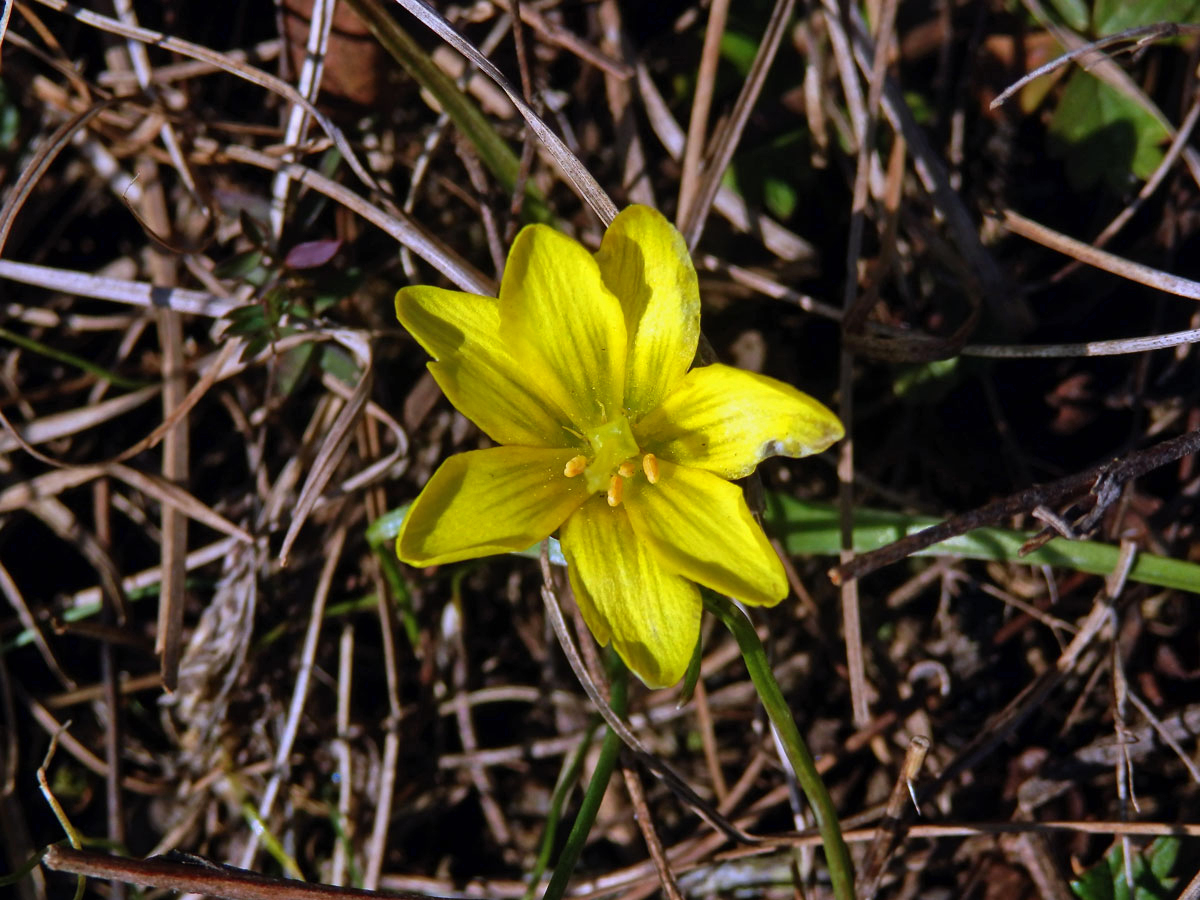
(493, 150)
(71, 359)
(808, 528)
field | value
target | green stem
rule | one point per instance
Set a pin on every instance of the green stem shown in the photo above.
(610, 751)
(841, 869)
(562, 790)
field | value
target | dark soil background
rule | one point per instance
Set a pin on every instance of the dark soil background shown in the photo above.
(435, 712)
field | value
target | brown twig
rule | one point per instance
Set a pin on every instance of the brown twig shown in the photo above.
(1104, 476)
(201, 877)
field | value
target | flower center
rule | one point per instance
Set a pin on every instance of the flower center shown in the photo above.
(613, 449)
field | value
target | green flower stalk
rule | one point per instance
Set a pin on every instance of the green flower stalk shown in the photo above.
(579, 371)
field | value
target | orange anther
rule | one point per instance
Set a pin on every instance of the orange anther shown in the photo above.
(626, 469)
(575, 466)
(650, 467)
(616, 487)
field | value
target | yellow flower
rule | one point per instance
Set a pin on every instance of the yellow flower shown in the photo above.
(579, 371)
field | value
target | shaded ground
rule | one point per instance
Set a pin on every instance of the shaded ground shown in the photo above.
(408, 733)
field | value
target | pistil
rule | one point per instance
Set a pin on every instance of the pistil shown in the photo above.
(615, 452)
(612, 444)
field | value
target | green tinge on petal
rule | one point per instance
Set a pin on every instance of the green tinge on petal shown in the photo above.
(651, 615)
(489, 501)
(698, 525)
(727, 421)
(475, 370)
(645, 263)
(555, 311)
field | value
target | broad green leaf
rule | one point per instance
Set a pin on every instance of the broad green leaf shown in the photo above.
(1104, 135)
(1106, 879)
(1111, 16)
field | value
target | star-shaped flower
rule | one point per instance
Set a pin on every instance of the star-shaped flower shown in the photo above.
(580, 372)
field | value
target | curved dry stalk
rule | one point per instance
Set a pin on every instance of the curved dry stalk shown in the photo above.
(46, 154)
(64, 424)
(1102, 67)
(25, 616)
(405, 230)
(1141, 35)
(576, 172)
(631, 740)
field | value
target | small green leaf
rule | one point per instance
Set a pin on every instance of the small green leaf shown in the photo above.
(1111, 16)
(921, 107)
(246, 320)
(739, 51)
(692, 675)
(779, 196)
(1106, 879)
(10, 119)
(338, 363)
(253, 230)
(1162, 855)
(927, 382)
(240, 266)
(292, 367)
(1104, 135)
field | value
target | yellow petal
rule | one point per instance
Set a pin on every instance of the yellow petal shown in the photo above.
(475, 370)
(489, 501)
(727, 421)
(646, 264)
(556, 313)
(651, 616)
(699, 526)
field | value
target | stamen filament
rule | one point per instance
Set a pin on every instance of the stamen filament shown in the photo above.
(650, 467)
(616, 488)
